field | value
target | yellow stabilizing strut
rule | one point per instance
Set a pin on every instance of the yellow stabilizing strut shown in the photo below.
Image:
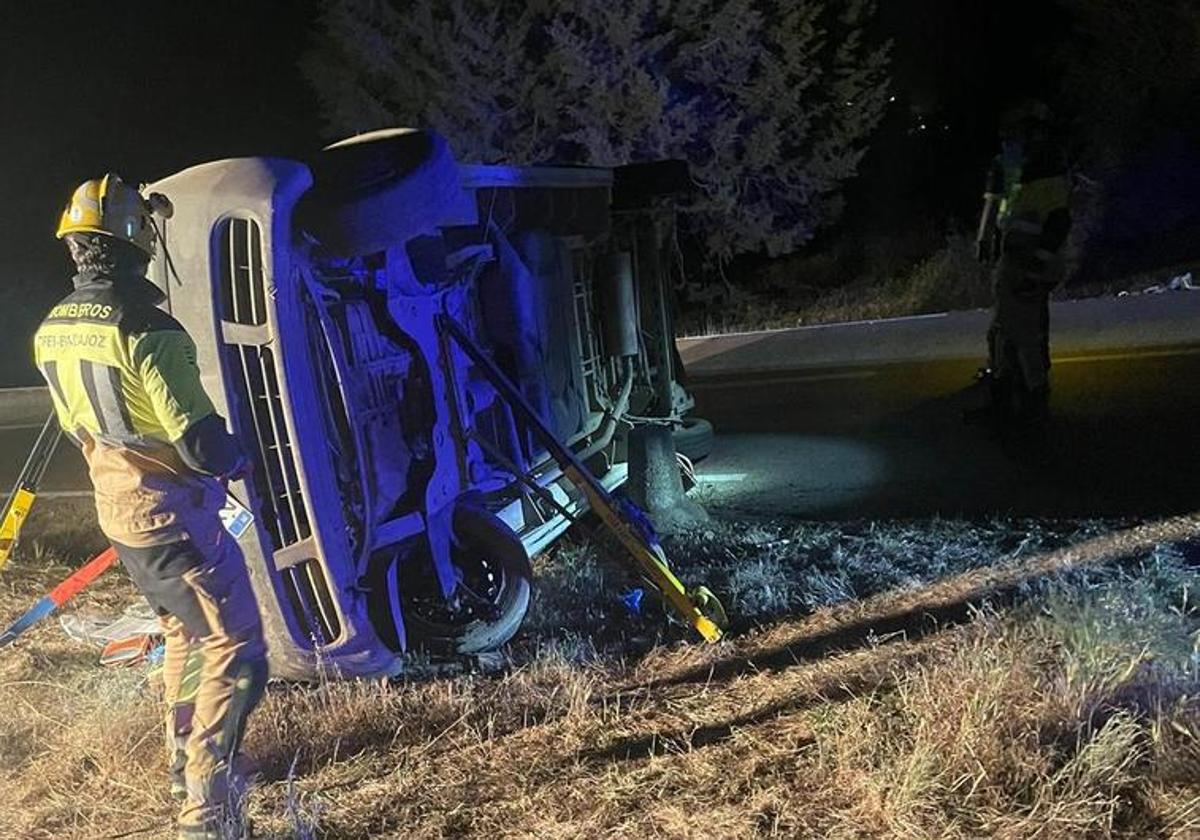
(698, 607)
(653, 565)
(24, 493)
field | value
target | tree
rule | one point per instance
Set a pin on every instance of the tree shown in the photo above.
(1131, 71)
(771, 102)
(1131, 82)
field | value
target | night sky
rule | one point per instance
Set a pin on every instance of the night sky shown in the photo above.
(140, 89)
(147, 89)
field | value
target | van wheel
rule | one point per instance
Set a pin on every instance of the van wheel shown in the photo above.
(495, 579)
(378, 190)
(694, 438)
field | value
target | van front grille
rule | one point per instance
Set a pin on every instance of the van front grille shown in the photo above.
(242, 286)
(276, 479)
(308, 594)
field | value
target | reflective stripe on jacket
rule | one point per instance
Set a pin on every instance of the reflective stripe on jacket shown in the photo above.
(125, 385)
(1034, 198)
(1027, 205)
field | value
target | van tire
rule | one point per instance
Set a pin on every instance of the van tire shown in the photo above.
(480, 536)
(378, 190)
(694, 438)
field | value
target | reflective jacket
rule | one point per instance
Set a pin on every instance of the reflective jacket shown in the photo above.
(1033, 197)
(123, 377)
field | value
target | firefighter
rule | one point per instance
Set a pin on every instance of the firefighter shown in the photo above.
(126, 388)
(1021, 231)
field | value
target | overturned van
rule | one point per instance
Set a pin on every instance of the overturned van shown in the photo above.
(397, 499)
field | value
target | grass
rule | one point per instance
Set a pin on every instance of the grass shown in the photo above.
(888, 281)
(930, 679)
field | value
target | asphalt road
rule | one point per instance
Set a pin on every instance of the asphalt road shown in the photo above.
(887, 439)
(865, 419)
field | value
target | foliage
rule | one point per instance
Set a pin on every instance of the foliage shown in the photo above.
(1131, 80)
(1131, 69)
(862, 279)
(770, 103)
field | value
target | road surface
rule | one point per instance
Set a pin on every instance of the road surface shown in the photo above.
(865, 420)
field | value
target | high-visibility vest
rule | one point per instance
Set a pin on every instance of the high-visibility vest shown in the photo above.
(123, 378)
(1027, 198)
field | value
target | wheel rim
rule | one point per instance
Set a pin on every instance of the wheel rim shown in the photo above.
(479, 596)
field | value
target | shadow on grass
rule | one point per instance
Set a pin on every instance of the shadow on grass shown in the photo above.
(914, 614)
(656, 744)
(839, 688)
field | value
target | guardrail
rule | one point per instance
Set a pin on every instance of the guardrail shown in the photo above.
(24, 406)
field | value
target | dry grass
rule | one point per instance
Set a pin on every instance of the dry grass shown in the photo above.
(947, 279)
(1043, 685)
(836, 289)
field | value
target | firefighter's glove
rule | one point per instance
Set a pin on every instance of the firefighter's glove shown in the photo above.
(208, 448)
(242, 470)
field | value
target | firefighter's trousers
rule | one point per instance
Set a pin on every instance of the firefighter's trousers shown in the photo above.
(1019, 336)
(203, 596)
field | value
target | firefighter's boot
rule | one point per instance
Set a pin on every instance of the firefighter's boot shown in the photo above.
(994, 414)
(1034, 426)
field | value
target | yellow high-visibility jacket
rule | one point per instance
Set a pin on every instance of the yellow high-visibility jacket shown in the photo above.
(123, 377)
(1033, 196)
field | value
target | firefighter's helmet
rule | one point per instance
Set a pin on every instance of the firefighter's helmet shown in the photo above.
(1026, 118)
(110, 207)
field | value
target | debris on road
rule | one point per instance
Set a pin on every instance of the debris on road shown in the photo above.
(138, 619)
(1178, 283)
(131, 638)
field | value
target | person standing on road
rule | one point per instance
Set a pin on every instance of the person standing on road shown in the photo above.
(126, 388)
(1024, 224)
